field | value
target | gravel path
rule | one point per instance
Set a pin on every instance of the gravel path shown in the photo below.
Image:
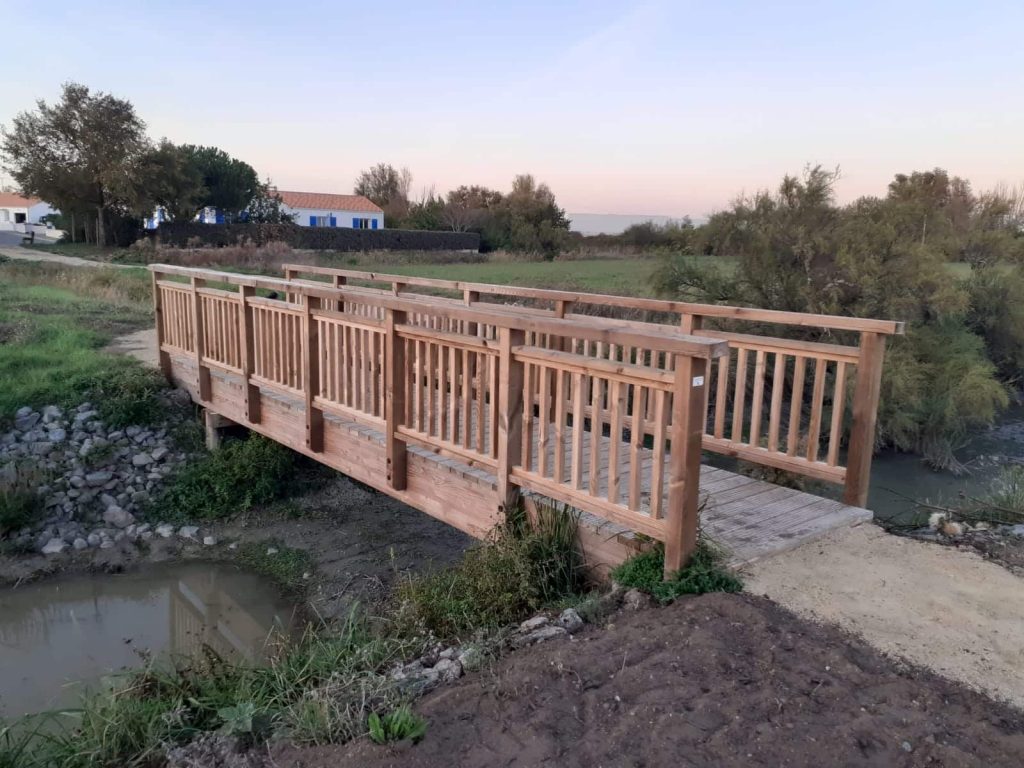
(946, 609)
(29, 254)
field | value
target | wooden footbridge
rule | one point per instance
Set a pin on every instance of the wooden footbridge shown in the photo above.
(460, 398)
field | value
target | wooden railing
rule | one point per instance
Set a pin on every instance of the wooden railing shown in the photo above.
(556, 406)
(784, 403)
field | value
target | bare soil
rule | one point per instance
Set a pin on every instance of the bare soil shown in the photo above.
(717, 680)
(1007, 551)
(936, 606)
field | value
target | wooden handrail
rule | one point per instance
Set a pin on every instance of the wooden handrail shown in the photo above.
(803, 319)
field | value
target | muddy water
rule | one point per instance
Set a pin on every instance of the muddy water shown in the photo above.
(60, 637)
(895, 477)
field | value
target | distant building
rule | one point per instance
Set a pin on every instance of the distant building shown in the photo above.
(17, 212)
(317, 209)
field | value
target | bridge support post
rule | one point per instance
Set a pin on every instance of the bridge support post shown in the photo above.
(247, 338)
(688, 415)
(510, 415)
(311, 383)
(395, 379)
(158, 312)
(865, 414)
(205, 394)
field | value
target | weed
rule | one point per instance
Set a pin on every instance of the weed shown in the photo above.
(232, 479)
(285, 565)
(129, 397)
(521, 569)
(20, 503)
(399, 725)
(703, 573)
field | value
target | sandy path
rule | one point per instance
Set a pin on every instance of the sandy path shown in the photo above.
(141, 345)
(27, 254)
(943, 608)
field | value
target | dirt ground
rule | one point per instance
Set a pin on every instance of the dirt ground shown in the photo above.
(717, 680)
(1007, 551)
(940, 607)
(360, 540)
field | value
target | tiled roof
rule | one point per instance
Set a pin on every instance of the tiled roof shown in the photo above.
(11, 200)
(324, 202)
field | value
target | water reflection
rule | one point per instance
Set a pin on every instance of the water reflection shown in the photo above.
(59, 635)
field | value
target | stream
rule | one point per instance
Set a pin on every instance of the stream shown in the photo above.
(60, 637)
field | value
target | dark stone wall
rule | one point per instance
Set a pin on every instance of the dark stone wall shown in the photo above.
(180, 233)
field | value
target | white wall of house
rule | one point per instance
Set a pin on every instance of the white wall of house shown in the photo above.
(15, 218)
(346, 219)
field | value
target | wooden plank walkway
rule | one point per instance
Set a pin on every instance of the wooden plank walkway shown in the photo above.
(749, 518)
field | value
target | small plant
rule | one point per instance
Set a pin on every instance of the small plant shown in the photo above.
(285, 565)
(233, 479)
(703, 573)
(128, 398)
(524, 567)
(244, 719)
(398, 725)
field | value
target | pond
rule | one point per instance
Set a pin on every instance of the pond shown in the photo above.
(60, 637)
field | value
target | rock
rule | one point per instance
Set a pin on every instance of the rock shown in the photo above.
(209, 541)
(535, 623)
(76, 481)
(41, 447)
(80, 543)
(951, 528)
(471, 657)
(142, 460)
(570, 621)
(118, 517)
(540, 635)
(95, 479)
(1016, 530)
(23, 411)
(27, 421)
(634, 600)
(936, 519)
(94, 539)
(188, 531)
(271, 550)
(132, 431)
(57, 435)
(165, 530)
(159, 453)
(51, 413)
(106, 544)
(54, 546)
(448, 670)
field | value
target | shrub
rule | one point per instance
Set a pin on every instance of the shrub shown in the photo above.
(521, 569)
(703, 573)
(234, 478)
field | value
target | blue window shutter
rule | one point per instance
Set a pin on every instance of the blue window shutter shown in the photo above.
(334, 222)
(374, 223)
(312, 221)
(355, 223)
(220, 217)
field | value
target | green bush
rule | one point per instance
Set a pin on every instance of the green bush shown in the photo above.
(285, 565)
(523, 568)
(704, 573)
(234, 478)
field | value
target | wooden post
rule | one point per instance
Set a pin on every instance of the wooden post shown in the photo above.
(510, 415)
(311, 383)
(339, 281)
(681, 522)
(469, 298)
(395, 378)
(158, 313)
(203, 372)
(691, 323)
(247, 335)
(865, 413)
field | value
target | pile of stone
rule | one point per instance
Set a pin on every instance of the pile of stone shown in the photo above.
(447, 664)
(93, 479)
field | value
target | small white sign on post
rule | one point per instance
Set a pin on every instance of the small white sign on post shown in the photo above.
(698, 381)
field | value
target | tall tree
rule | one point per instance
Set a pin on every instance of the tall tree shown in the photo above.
(83, 152)
(230, 184)
(267, 207)
(172, 182)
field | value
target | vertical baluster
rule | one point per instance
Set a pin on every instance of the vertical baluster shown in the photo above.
(559, 465)
(739, 396)
(758, 401)
(636, 446)
(658, 466)
(838, 406)
(775, 415)
(721, 395)
(817, 403)
(596, 433)
(578, 383)
(796, 405)
(616, 406)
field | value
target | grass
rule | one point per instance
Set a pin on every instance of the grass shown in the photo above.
(285, 565)
(51, 349)
(704, 573)
(232, 479)
(522, 569)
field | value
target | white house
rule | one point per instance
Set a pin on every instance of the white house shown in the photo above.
(19, 213)
(316, 209)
